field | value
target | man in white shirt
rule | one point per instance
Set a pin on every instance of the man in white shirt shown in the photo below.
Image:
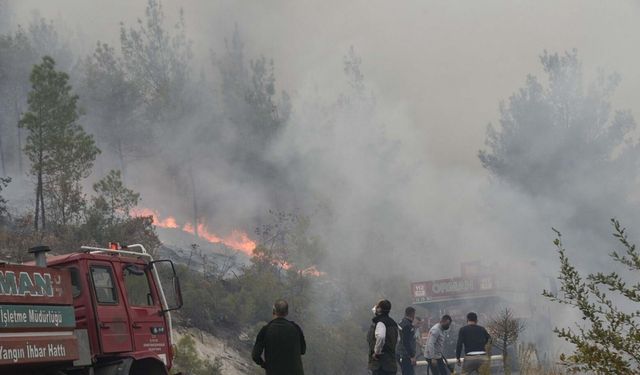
(433, 351)
(382, 339)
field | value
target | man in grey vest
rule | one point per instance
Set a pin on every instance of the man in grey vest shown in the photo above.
(382, 338)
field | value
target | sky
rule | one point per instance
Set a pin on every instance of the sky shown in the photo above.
(447, 64)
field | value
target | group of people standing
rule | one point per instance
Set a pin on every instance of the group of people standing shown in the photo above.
(386, 351)
(281, 343)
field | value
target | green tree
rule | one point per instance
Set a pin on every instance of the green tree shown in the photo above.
(46, 41)
(60, 151)
(17, 55)
(157, 61)
(108, 218)
(114, 199)
(255, 111)
(557, 136)
(113, 103)
(608, 342)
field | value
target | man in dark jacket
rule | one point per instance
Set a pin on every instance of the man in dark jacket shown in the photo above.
(282, 343)
(475, 340)
(407, 350)
(382, 338)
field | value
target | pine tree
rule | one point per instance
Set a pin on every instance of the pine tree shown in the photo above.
(17, 55)
(60, 151)
(556, 137)
(113, 103)
(114, 199)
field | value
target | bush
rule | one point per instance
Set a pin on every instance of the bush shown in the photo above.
(189, 362)
(608, 342)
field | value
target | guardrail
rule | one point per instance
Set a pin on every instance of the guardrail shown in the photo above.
(494, 359)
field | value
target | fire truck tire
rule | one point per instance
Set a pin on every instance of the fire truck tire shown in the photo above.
(114, 367)
(148, 367)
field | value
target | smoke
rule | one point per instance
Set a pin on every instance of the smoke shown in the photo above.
(384, 159)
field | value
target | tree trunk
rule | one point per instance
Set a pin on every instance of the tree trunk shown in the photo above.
(37, 203)
(112, 215)
(4, 170)
(39, 193)
(42, 203)
(204, 266)
(122, 163)
(195, 200)
(39, 214)
(64, 200)
(17, 113)
(20, 150)
(505, 360)
(190, 256)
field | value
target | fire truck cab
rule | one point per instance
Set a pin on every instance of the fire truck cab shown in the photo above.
(122, 314)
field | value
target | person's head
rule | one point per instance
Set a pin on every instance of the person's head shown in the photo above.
(417, 322)
(410, 312)
(383, 307)
(280, 308)
(472, 318)
(445, 322)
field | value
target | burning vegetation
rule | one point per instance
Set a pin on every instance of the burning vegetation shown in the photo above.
(237, 240)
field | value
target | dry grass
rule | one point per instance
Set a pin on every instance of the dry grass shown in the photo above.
(530, 365)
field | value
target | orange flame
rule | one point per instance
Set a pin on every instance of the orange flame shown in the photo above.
(237, 240)
(169, 222)
(312, 271)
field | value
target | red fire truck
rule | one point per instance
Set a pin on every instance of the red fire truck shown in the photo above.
(99, 311)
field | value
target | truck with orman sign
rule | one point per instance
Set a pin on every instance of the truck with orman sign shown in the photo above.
(98, 311)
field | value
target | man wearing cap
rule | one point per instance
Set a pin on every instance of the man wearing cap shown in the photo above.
(382, 339)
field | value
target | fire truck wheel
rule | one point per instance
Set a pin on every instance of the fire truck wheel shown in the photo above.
(148, 367)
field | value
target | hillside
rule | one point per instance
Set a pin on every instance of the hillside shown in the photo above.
(235, 359)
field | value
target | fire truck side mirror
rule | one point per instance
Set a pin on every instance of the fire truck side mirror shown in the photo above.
(165, 272)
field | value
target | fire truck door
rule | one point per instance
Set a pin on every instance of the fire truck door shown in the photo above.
(111, 311)
(147, 320)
